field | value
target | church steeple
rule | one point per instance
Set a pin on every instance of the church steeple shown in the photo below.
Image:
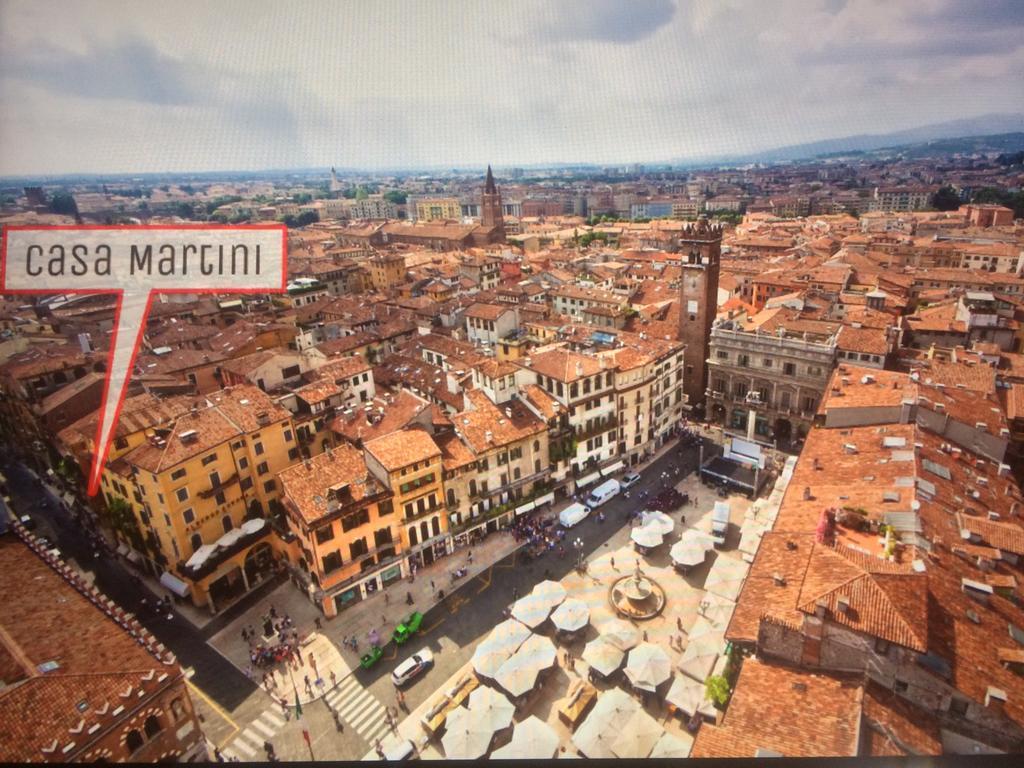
(489, 187)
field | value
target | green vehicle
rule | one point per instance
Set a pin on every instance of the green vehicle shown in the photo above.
(407, 628)
(371, 657)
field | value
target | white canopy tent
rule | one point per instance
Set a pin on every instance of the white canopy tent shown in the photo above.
(658, 520)
(491, 706)
(503, 641)
(466, 736)
(637, 736)
(603, 656)
(532, 739)
(648, 666)
(646, 536)
(619, 633)
(571, 615)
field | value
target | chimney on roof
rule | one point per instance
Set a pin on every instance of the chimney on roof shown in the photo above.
(995, 700)
(821, 609)
(779, 579)
(843, 603)
(579, 368)
(807, 493)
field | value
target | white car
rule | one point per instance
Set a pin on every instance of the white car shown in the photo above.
(412, 667)
(629, 480)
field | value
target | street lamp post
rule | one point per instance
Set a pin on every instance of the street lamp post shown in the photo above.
(578, 544)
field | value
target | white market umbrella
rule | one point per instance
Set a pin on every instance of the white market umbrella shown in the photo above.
(491, 706)
(670, 746)
(689, 695)
(702, 651)
(466, 737)
(637, 736)
(619, 633)
(646, 536)
(531, 611)
(688, 552)
(571, 615)
(595, 735)
(602, 656)
(658, 520)
(518, 675)
(750, 541)
(503, 641)
(532, 739)
(717, 610)
(550, 592)
(648, 666)
(726, 577)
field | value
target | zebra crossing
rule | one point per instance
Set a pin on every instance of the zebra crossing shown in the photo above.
(359, 709)
(249, 743)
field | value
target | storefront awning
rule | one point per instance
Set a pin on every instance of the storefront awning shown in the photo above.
(611, 468)
(587, 479)
(173, 583)
(547, 498)
(524, 508)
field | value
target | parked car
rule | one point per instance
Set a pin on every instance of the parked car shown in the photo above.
(573, 514)
(28, 521)
(629, 480)
(407, 628)
(412, 667)
(400, 752)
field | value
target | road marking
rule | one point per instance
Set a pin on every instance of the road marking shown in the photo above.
(379, 733)
(216, 707)
(239, 744)
(252, 736)
(273, 717)
(368, 718)
(360, 706)
(456, 603)
(433, 626)
(231, 754)
(512, 564)
(487, 584)
(263, 729)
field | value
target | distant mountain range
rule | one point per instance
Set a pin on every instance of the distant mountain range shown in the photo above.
(977, 134)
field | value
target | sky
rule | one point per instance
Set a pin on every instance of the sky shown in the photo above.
(112, 87)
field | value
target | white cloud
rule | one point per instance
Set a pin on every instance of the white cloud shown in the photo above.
(147, 86)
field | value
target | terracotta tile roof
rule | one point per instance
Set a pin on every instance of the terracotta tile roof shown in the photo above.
(787, 711)
(869, 340)
(306, 484)
(45, 618)
(488, 311)
(1008, 537)
(508, 424)
(542, 402)
(383, 417)
(454, 453)
(564, 365)
(897, 727)
(885, 600)
(978, 378)
(399, 449)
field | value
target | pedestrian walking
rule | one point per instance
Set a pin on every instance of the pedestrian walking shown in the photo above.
(645, 635)
(273, 612)
(380, 750)
(248, 671)
(218, 755)
(316, 623)
(387, 599)
(286, 710)
(432, 587)
(408, 596)
(334, 679)
(245, 632)
(470, 556)
(613, 564)
(679, 623)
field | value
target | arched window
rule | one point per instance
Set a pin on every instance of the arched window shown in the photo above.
(451, 497)
(424, 531)
(134, 741)
(197, 541)
(436, 526)
(536, 446)
(413, 541)
(226, 522)
(151, 726)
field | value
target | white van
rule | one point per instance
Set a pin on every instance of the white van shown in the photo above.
(573, 514)
(602, 493)
(720, 522)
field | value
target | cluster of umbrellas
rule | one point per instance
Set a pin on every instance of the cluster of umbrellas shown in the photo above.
(532, 739)
(468, 732)
(691, 549)
(654, 527)
(534, 609)
(703, 647)
(504, 640)
(618, 727)
(518, 675)
(725, 578)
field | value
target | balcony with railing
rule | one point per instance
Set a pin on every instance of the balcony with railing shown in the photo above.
(416, 514)
(219, 486)
(597, 428)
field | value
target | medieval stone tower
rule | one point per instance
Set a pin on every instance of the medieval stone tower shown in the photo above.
(490, 209)
(700, 247)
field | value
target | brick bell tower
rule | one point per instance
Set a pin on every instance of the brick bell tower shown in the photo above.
(700, 246)
(490, 209)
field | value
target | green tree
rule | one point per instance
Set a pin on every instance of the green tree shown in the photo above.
(717, 689)
(349, 193)
(362, 194)
(184, 210)
(395, 196)
(302, 198)
(63, 203)
(946, 199)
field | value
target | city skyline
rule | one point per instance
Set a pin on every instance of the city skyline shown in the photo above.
(421, 85)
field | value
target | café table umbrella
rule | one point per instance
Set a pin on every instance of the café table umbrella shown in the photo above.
(519, 674)
(532, 739)
(637, 736)
(500, 644)
(597, 732)
(571, 615)
(648, 666)
(717, 610)
(689, 695)
(491, 706)
(619, 633)
(602, 656)
(646, 536)
(670, 746)
(701, 654)
(550, 592)
(726, 577)
(688, 552)
(531, 610)
(658, 520)
(466, 736)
